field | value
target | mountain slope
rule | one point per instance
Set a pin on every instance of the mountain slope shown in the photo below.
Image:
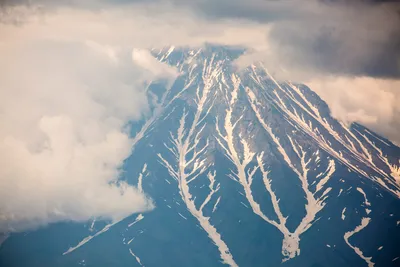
(244, 171)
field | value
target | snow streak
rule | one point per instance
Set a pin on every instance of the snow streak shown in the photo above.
(299, 108)
(136, 257)
(244, 174)
(189, 157)
(364, 223)
(90, 237)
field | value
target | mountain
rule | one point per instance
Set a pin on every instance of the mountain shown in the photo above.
(244, 171)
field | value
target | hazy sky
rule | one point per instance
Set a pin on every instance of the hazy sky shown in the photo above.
(56, 56)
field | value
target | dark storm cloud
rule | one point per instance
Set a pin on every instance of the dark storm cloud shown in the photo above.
(351, 38)
(356, 40)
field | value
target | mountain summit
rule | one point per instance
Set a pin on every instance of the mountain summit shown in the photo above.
(244, 170)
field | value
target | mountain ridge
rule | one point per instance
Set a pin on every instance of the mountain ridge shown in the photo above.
(250, 170)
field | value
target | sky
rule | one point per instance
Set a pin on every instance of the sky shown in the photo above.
(63, 134)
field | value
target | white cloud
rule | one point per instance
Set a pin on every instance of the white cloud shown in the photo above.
(369, 101)
(144, 59)
(64, 107)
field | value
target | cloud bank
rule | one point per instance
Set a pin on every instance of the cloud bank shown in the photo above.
(64, 110)
(368, 101)
(70, 83)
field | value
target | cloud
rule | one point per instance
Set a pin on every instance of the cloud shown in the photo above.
(339, 38)
(144, 59)
(65, 105)
(344, 38)
(369, 101)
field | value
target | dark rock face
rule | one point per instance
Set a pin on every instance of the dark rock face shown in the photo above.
(244, 171)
